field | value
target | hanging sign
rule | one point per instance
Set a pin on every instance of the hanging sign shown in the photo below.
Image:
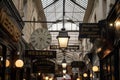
(41, 53)
(44, 66)
(89, 30)
(69, 47)
(77, 64)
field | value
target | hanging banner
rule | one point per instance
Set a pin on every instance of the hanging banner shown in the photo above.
(89, 30)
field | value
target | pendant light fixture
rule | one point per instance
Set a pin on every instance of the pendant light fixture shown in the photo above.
(63, 37)
(19, 63)
(64, 63)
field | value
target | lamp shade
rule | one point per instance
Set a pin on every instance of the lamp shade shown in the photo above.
(63, 39)
(64, 63)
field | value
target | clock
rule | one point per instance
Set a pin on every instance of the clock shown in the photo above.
(40, 38)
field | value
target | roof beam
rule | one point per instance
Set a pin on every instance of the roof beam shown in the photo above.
(78, 4)
(51, 4)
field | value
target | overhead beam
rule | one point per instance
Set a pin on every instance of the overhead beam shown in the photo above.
(78, 4)
(39, 21)
(51, 4)
(57, 21)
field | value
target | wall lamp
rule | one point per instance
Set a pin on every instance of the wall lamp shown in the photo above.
(95, 68)
(19, 63)
(64, 63)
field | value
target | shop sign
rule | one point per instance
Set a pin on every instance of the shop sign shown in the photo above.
(44, 62)
(9, 26)
(54, 47)
(69, 47)
(44, 69)
(89, 30)
(44, 66)
(78, 64)
(41, 53)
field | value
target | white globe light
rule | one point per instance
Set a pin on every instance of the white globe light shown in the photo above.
(64, 71)
(78, 78)
(95, 68)
(85, 75)
(19, 63)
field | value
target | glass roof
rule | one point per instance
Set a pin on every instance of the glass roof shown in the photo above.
(74, 11)
(68, 26)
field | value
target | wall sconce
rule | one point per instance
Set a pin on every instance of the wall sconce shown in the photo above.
(106, 52)
(98, 50)
(78, 78)
(51, 78)
(85, 75)
(117, 25)
(7, 63)
(19, 63)
(91, 75)
(46, 78)
(95, 68)
(39, 73)
(64, 63)
(111, 24)
(24, 79)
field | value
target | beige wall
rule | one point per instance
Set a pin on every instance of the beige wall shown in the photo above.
(99, 10)
(30, 14)
(30, 11)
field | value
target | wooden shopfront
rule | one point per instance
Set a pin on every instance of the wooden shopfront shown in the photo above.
(110, 56)
(10, 38)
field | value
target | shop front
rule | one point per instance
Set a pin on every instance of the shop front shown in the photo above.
(10, 39)
(110, 55)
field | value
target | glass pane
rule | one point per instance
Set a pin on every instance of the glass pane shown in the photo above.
(68, 26)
